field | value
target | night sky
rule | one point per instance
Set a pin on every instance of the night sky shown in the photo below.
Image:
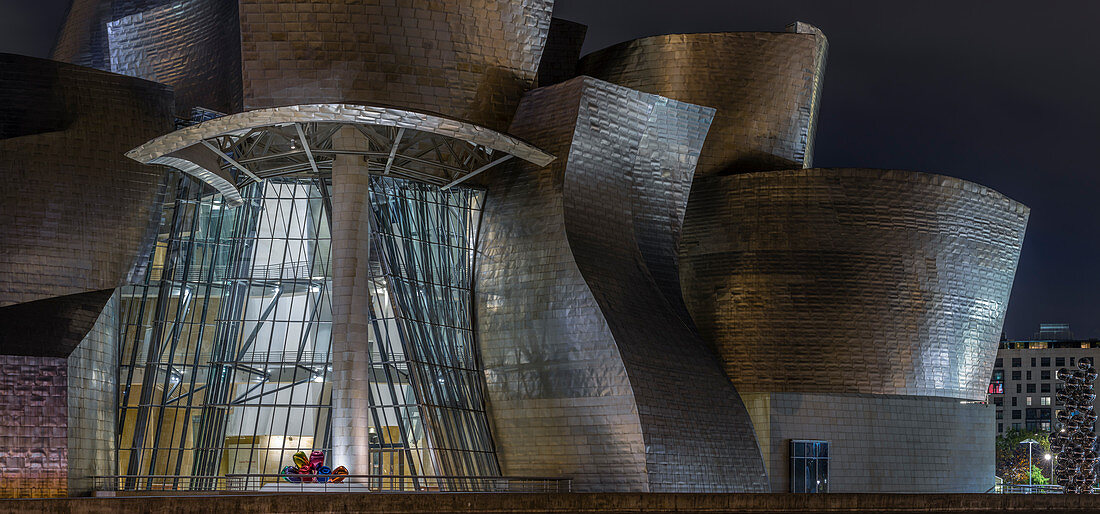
(1000, 93)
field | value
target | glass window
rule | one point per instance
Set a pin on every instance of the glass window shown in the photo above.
(809, 466)
(1031, 388)
(999, 363)
(1019, 388)
(1029, 375)
(1016, 362)
(1017, 414)
(1015, 426)
(1014, 400)
(1044, 388)
(1045, 361)
(1044, 375)
(1028, 400)
(1016, 375)
(1033, 362)
(998, 375)
(1071, 361)
(1059, 361)
(1044, 400)
(1000, 427)
(1000, 414)
(999, 401)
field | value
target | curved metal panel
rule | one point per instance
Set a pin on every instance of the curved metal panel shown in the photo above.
(852, 280)
(590, 371)
(344, 113)
(192, 45)
(469, 60)
(83, 37)
(76, 207)
(765, 86)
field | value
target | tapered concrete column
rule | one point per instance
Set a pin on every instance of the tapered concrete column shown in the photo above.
(350, 304)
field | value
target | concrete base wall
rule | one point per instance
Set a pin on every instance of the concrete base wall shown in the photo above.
(880, 443)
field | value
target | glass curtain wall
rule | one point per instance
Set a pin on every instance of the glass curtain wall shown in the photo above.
(225, 345)
(427, 403)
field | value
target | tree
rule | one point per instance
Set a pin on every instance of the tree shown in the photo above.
(1012, 456)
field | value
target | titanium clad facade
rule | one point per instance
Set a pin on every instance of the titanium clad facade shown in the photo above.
(93, 401)
(77, 209)
(577, 384)
(34, 461)
(852, 280)
(766, 87)
(467, 60)
(192, 45)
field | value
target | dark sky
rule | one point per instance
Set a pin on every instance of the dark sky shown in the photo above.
(1000, 93)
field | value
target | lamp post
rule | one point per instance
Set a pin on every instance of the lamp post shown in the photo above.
(1029, 442)
(1050, 458)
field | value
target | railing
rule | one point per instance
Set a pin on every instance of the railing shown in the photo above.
(1026, 489)
(265, 483)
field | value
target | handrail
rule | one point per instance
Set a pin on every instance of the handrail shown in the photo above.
(265, 482)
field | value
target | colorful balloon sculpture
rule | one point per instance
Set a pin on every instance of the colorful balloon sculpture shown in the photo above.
(314, 464)
(1075, 443)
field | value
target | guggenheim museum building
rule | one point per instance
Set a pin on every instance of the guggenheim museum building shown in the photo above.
(431, 240)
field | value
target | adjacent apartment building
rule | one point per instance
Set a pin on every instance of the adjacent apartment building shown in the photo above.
(1024, 386)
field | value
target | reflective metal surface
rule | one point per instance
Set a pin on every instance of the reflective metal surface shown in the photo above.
(590, 371)
(77, 210)
(765, 86)
(34, 458)
(93, 402)
(192, 45)
(267, 142)
(467, 60)
(852, 280)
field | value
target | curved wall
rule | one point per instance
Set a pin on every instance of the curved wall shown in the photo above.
(764, 85)
(852, 280)
(192, 45)
(590, 372)
(469, 60)
(77, 209)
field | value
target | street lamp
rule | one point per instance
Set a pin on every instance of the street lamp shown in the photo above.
(1049, 457)
(1029, 443)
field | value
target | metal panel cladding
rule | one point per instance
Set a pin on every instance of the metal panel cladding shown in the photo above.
(470, 60)
(76, 209)
(852, 280)
(765, 86)
(590, 371)
(192, 45)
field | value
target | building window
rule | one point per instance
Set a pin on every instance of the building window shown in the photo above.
(1044, 400)
(1044, 375)
(998, 375)
(999, 401)
(1028, 401)
(1016, 414)
(1033, 362)
(1044, 388)
(1016, 375)
(1019, 388)
(1014, 400)
(999, 363)
(1071, 361)
(1031, 388)
(1045, 362)
(1029, 375)
(1044, 426)
(1000, 414)
(1016, 362)
(809, 466)
(1000, 427)
(1059, 361)
(1015, 426)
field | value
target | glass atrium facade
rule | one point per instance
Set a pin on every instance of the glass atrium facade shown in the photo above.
(226, 342)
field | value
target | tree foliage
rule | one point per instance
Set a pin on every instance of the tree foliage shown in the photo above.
(1012, 457)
